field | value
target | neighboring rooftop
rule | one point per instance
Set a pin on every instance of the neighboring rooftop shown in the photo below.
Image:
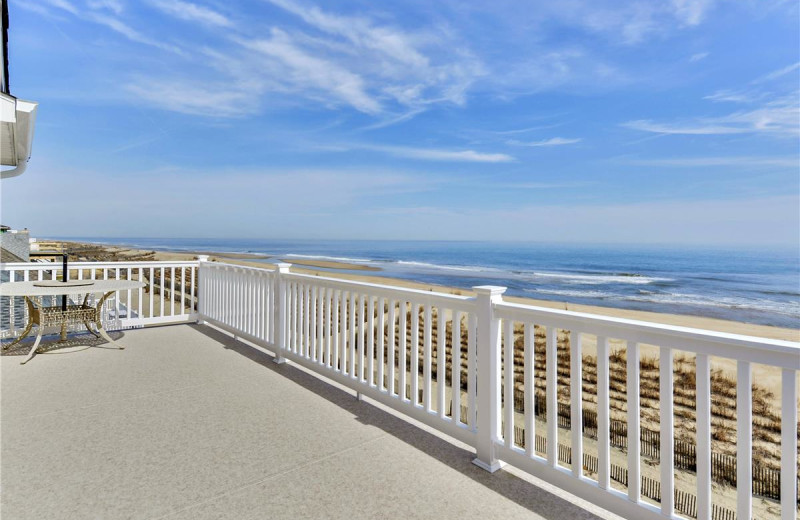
(188, 423)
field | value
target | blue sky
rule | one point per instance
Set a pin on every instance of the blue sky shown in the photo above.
(577, 121)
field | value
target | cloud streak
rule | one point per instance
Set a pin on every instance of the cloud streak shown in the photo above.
(777, 117)
(735, 161)
(437, 154)
(190, 12)
(553, 141)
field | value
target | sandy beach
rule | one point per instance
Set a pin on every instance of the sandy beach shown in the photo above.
(93, 251)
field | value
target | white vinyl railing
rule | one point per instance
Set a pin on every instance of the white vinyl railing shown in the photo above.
(745, 351)
(358, 334)
(455, 363)
(169, 294)
(449, 361)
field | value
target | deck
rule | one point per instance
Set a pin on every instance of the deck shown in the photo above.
(188, 423)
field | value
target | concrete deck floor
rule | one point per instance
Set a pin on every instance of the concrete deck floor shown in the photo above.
(187, 423)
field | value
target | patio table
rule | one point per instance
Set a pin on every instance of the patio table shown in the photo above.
(45, 316)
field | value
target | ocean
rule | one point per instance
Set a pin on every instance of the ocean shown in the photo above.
(759, 286)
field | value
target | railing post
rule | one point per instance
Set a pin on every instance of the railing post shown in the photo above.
(488, 377)
(281, 312)
(200, 296)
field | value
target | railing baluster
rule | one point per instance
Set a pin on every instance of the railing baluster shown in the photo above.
(703, 452)
(603, 422)
(744, 439)
(380, 342)
(371, 341)
(183, 290)
(334, 361)
(426, 357)
(788, 444)
(140, 293)
(667, 433)
(508, 374)
(455, 369)
(161, 292)
(472, 387)
(361, 339)
(551, 362)
(117, 297)
(307, 329)
(530, 391)
(151, 289)
(296, 317)
(351, 358)
(576, 401)
(390, 347)
(441, 362)
(414, 372)
(343, 332)
(194, 272)
(634, 449)
(320, 302)
(402, 349)
(330, 325)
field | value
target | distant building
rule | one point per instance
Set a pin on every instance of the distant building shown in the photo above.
(15, 246)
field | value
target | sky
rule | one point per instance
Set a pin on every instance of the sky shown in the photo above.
(674, 122)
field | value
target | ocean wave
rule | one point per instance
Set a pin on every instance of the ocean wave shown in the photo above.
(573, 293)
(762, 305)
(331, 258)
(598, 279)
(727, 302)
(462, 268)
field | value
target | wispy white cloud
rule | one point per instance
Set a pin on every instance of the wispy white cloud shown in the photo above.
(525, 130)
(777, 74)
(437, 154)
(777, 117)
(541, 185)
(733, 161)
(361, 32)
(394, 120)
(694, 58)
(732, 96)
(187, 97)
(64, 5)
(114, 6)
(307, 71)
(691, 12)
(191, 12)
(553, 141)
(412, 68)
(130, 33)
(689, 128)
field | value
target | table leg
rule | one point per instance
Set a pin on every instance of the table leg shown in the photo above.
(35, 345)
(28, 327)
(88, 325)
(97, 322)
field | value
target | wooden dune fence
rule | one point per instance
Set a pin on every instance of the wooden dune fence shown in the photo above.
(766, 481)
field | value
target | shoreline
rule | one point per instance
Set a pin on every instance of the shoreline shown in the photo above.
(330, 269)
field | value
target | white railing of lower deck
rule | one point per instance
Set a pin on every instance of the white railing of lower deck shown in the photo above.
(169, 294)
(392, 344)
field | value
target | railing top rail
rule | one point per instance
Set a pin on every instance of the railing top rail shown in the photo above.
(85, 264)
(691, 339)
(418, 294)
(269, 268)
(368, 286)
